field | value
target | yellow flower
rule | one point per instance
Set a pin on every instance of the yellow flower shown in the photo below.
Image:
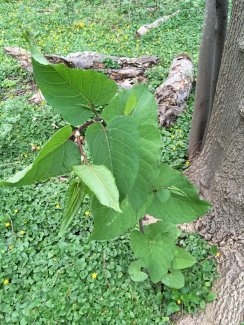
(22, 232)
(178, 301)
(10, 247)
(16, 211)
(187, 163)
(79, 24)
(6, 281)
(218, 254)
(7, 224)
(57, 206)
(94, 275)
(87, 213)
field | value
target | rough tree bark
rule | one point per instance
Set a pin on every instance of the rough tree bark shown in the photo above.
(219, 173)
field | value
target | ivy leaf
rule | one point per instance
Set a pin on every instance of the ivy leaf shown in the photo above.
(56, 158)
(137, 102)
(101, 182)
(183, 259)
(175, 199)
(175, 279)
(71, 92)
(155, 248)
(108, 223)
(135, 271)
(116, 147)
(73, 200)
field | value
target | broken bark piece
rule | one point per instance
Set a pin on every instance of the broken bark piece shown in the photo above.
(145, 28)
(174, 92)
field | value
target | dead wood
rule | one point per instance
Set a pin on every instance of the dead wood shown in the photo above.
(172, 95)
(128, 71)
(145, 28)
(93, 60)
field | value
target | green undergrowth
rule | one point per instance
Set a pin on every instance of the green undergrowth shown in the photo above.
(53, 280)
(43, 278)
(46, 280)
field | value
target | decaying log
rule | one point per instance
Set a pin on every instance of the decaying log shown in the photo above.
(85, 60)
(129, 71)
(145, 28)
(172, 95)
(93, 60)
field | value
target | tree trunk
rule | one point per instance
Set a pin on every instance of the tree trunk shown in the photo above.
(203, 89)
(220, 35)
(219, 173)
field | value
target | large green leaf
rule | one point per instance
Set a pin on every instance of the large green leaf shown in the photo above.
(101, 182)
(182, 259)
(148, 165)
(117, 147)
(108, 223)
(73, 200)
(175, 199)
(140, 104)
(72, 92)
(175, 279)
(56, 158)
(137, 102)
(155, 247)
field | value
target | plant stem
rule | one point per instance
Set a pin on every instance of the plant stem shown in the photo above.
(86, 124)
(81, 149)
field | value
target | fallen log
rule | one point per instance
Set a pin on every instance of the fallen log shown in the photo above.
(85, 60)
(125, 71)
(145, 28)
(172, 95)
(93, 60)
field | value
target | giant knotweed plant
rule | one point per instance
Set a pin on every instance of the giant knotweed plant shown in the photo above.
(122, 172)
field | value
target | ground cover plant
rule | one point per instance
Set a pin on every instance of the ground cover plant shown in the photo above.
(35, 228)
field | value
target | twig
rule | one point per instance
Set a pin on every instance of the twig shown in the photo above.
(86, 124)
(79, 141)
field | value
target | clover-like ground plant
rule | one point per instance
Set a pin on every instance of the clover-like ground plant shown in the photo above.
(122, 172)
